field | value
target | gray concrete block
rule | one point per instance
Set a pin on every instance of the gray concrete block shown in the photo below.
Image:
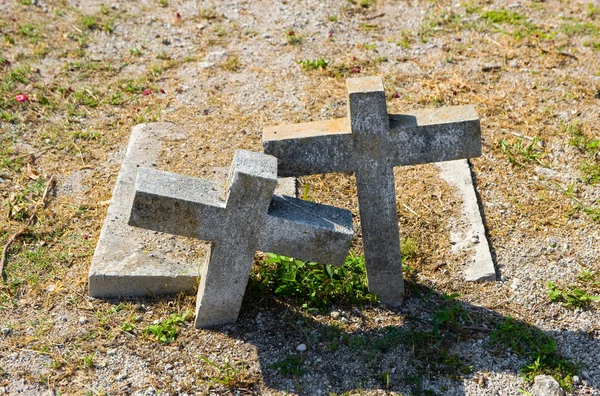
(244, 219)
(121, 267)
(370, 142)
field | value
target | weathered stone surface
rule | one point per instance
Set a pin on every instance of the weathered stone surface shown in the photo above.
(247, 219)
(458, 174)
(545, 385)
(370, 142)
(120, 266)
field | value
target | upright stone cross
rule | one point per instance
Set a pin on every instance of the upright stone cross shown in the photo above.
(249, 218)
(370, 143)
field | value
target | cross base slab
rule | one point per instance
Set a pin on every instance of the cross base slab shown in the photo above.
(121, 266)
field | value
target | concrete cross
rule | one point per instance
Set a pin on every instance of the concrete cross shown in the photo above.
(370, 142)
(249, 218)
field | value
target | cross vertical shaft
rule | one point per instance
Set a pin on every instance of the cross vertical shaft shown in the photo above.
(251, 185)
(370, 128)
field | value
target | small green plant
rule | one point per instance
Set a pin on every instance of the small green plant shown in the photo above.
(580, 140)
(208, 14)
(366, 3)
(163, 3)
(517, 151)
(314, 285)
(533, 344)
(232, 63)
(88, 361)
(293, 38)
(571, 296)
(129, 327)
(449, 315)
(313, 64)
(333, 18)
(591, 173)
(227, 374)
(504, 16)
(89, 22)
(166, 331)
(135, 51)
(290, 365)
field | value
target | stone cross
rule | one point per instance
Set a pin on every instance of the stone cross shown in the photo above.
(370, 142)
(247, 219)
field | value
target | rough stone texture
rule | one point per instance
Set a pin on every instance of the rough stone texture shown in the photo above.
(458, 174)
(120, 267)
(247, 219)
(370, 143)
(545, 385)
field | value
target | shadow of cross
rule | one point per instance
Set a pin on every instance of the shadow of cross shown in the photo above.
(250, 218)
(370, 142)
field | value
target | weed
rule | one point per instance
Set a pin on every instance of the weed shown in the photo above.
(366, 3)
(88, 361)
(166, 330)
(332, 18)
(571, 296)
(517, 150)
(129, 327)
(89, 22)
(163, 3)
(232, 63)
(135, 51)
(290, 365)
(313, 285)
(504, 16)
(591, 173)
(227, 374)
(163, 55)
(293, 39)
(313, 64)
(532, 343)
(580, 140)
(208, 14)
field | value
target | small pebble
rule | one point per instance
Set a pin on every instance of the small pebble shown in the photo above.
(301, 348)
(83, 320)
(111, 352)
(5, 330)
(335, 314)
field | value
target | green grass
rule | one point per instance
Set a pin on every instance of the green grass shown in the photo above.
(89, 22)
(519, 152)
(166, 331)
(291, 365)
(313, 64)
(504, 16)
(293, 38)
(531, 343)
(227, 374)
(570, 296)
(312, 285)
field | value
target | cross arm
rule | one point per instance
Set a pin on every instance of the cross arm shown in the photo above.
(306, 230)
(310, 148)
(174, 204)
(436, 135)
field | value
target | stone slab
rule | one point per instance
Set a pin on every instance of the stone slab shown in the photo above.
(481, 266)
(122, 266)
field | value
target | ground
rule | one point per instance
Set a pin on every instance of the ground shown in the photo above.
(77, 76)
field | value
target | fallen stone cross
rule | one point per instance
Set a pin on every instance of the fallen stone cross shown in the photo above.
(370, 142)
(247, 219)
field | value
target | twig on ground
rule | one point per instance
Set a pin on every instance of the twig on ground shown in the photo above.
(17, 234)
(30, 154)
